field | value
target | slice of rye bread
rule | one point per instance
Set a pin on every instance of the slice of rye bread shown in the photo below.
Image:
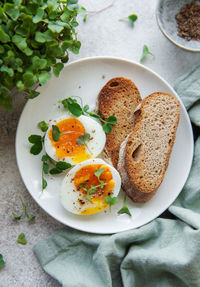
(119, 97)
(144, 155)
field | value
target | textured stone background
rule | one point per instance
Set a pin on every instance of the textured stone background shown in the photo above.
(102, 34)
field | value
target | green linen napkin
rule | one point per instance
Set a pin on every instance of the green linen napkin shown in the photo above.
(165, 252)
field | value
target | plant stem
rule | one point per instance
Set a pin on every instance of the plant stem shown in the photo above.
(102, 9)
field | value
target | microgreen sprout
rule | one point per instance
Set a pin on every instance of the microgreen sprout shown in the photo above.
(56, 133)
(24, 211)
(124, 209)
(84, 140)
(145, 52)
(94, 188)
(2, 262)
(21, 239)
(131, 19)
(37, 143)
(75, 109)
(43, 126)
(111, 200)
(57, 168)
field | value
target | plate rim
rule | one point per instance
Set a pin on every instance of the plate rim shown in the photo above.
(93, 58)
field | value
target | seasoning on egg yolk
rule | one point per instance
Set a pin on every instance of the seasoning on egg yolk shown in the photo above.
(86, 175)
(66, 146)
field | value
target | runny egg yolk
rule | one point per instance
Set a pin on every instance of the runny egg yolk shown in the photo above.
(87, 175)
(66, 146)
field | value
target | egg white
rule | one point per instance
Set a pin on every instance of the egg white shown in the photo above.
(70, 196)
(95, 145)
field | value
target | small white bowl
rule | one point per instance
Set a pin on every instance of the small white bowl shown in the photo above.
(165, 14)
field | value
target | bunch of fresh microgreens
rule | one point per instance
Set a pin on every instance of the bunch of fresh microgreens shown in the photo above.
(35, 39)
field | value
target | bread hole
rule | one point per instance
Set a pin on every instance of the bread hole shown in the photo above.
(136, 153)
(169, 141)
(114, 84)
(129, 143)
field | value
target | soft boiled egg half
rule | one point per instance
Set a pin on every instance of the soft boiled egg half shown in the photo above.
(85, 186)
(66, 148)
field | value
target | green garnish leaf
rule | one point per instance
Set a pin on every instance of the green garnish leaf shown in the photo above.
(2, 262)
(99, 172)
(45, 157)
(63, 165)
(112, 120)
(83, 139)
(111, 200)
(86, 108)
(124, 209)
(131, 19)
(145, 52)
(83, 185)
(17, 217)
(107, 128)
(85, 18)
(43, 126)
(36, 148)
(56, 133)
(22, 239)
(24, 211)
(45, 167)
(44, 184)
(30, 217)
(59, 167)
(37, 142)
(55, 171)
(72, 106)
(75, 109)
(34, 139)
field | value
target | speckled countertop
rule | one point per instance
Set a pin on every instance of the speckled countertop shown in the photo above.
(102, 34)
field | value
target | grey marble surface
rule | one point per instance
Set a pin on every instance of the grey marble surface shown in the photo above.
(102, 34)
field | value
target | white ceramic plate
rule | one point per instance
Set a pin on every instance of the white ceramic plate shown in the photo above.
(85, 78)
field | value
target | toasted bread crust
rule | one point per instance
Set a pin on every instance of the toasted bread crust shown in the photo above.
(149, 146)
(118, 97)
